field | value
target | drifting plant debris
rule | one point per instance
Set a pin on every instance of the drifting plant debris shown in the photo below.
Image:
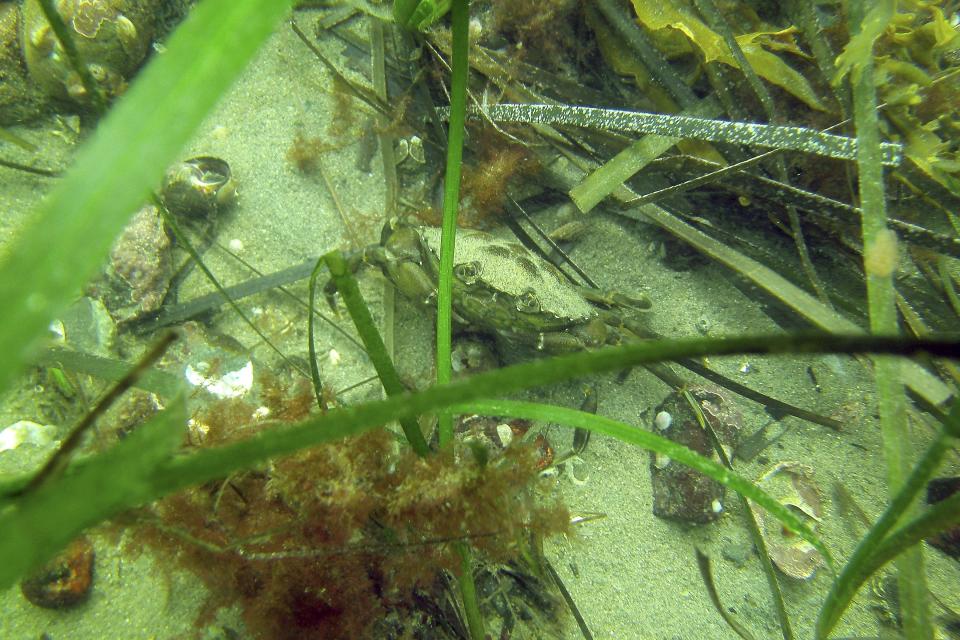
(488, 177)
(305, 152)
(346, 540)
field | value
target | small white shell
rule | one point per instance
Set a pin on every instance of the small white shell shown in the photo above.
(127, 35)
(663, 421)
(505, 433)
(27, 432)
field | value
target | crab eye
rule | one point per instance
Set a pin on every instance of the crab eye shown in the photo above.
(528, 302)
(467, 272)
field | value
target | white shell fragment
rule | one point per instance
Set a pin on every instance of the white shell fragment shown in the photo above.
(58, 331)
(232, 384)
(663, 421)
(661, 460)
(27, 432)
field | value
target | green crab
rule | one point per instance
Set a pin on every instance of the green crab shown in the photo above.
(501, 289)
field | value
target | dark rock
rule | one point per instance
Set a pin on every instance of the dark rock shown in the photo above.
(680, 493)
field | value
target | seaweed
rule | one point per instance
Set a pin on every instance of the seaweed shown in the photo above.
(338, 541)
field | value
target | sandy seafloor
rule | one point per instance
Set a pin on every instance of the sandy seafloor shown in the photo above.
(632, 575)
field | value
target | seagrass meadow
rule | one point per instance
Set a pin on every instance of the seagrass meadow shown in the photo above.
(490, 319)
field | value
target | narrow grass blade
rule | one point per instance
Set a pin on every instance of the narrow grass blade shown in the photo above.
(71, 232)
(12, 138)
(915, 376)
(74, 59)
(363, 321)
(612, 174)
(311, 342)
(74, 438)
(37, 171)
(745, 133)
(163, 384)
(749, 517)
(938, 518)
(459, 68)
(867, 19)
(652, 442)
(451, 201)
(565, 594)
(18, 522)
(926, 385)
(184, 242)
(703, 563)
(217, 462)
(864, 560)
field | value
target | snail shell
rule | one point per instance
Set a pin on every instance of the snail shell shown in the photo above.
(198, 187)
(112, 38)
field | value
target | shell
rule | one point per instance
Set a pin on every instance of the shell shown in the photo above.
(63, 582)
(141, 266)
(20, 100)
(112, 38)
(792, 485)
(198, 187)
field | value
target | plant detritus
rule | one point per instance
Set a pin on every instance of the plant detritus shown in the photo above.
(347, 539)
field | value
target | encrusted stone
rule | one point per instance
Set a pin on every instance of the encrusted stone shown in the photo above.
(679, 492)
(141, 260)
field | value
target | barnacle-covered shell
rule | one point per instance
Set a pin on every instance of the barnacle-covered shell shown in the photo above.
(792, 485)
(112, 38)
(679, 492)
(20, 101)
(198, 187)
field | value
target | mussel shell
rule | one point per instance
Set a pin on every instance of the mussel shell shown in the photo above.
(198, 187)
(792, 484)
